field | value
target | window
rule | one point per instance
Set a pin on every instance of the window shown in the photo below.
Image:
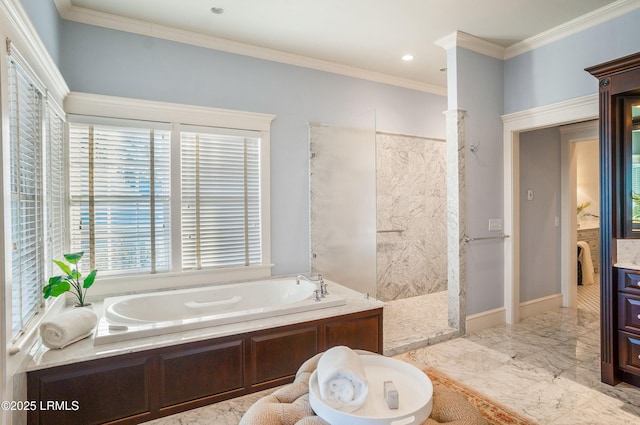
(164, 198)
(220, 199)
(37, 190)
(119, 192)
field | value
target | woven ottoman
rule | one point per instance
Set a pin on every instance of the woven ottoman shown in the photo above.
(290, 405)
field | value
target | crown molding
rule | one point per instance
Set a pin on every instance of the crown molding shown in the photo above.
(456, 39)
(63, 6)
(573, 26)
(136, 26)
(25, 37)
(479, 45)
(471, 42)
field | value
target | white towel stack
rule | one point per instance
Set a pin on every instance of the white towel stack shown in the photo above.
(68, 327)
(342, 380)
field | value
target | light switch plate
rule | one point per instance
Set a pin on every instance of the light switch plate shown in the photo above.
(495, 224)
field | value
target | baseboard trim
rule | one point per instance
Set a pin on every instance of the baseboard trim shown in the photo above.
(486, 319)
(540, 305)
(490, 318)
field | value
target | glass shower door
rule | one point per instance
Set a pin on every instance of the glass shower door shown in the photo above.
(343, 204)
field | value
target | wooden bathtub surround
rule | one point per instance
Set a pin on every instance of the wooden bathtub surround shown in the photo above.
(136, 387)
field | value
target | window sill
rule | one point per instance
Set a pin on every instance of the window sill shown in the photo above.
(29, 336)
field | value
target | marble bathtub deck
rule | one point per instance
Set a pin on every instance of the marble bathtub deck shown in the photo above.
(546, 367)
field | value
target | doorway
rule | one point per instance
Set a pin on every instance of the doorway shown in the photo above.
(562, 113)
(573, 136)
(587, 154)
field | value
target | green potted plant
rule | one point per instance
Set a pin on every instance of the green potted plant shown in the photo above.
(71, 280)
(583, 206)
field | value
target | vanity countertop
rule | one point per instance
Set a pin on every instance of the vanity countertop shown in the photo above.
(628, 266)
(588, 225)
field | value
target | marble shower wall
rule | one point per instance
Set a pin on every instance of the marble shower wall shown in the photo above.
(411, 216)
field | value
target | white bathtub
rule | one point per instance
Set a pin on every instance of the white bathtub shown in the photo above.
(136, 316)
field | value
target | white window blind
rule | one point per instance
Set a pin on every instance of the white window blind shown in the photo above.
(220, 200)
(27, 272)
(120, 197)
(56, 189)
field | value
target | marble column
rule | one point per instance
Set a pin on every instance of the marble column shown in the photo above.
(456, 218)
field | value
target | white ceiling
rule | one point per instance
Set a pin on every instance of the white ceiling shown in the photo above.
(371, 35)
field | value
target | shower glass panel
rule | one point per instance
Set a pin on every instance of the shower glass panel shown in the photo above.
(343, 204)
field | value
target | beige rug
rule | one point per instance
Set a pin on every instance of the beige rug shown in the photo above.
(493, 412)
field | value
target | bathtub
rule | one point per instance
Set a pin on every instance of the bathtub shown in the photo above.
(136, 316)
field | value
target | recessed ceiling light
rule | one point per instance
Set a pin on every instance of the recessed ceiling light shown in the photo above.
(217, 10)
(407, 58)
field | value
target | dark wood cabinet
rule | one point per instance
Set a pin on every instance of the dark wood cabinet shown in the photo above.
(629, 313)
(363, 333)
(137, 387)
(92, 392)
(629, 281)
(627, 307)
(619, 98)
(629, 352)
(200, 370)
(276, 357)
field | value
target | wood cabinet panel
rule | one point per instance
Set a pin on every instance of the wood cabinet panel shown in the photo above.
(364, 333)
(104, 390)
(629, 351)
(279, 355)
(200, 370)
(629, 281)
(629, 313)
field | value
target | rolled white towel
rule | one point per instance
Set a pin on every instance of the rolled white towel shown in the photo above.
(68, 327)
(341, 379)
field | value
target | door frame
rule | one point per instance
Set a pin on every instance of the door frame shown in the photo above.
(567, 112)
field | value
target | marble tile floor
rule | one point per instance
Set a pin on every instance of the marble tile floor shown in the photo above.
(415, 322)
(546, 367)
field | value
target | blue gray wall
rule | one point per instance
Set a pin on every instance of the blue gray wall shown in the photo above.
(540, 238)
(479, 86)
(104, 61)
(555, 72)
(546, 75)
(44, 17)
